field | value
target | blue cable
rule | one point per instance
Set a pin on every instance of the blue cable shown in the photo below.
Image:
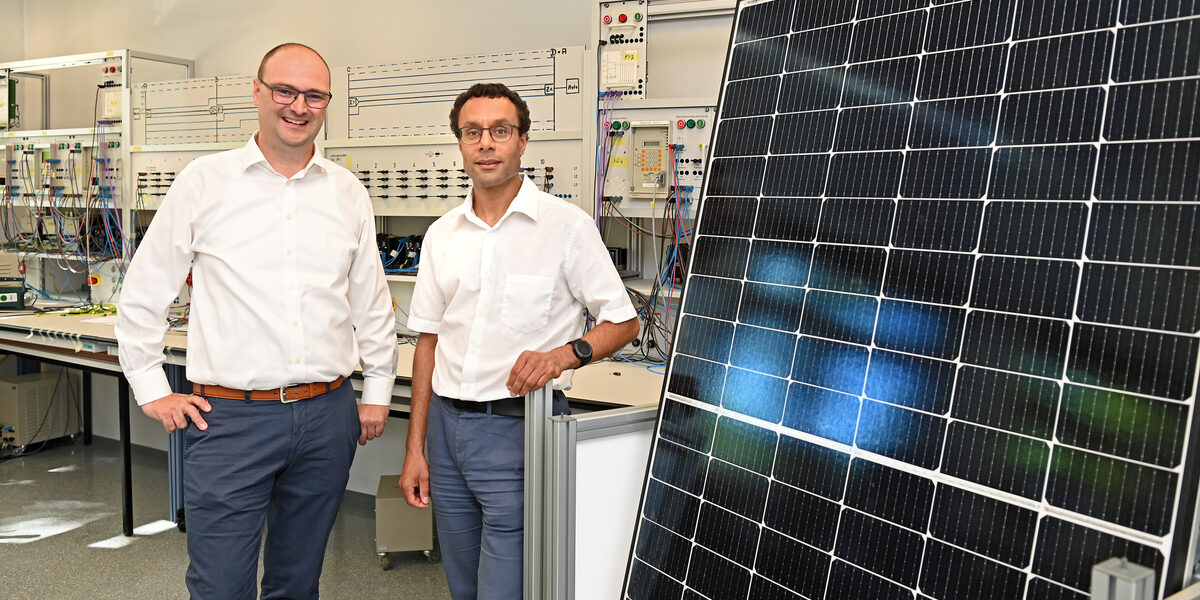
(47, 296)
(648, 366)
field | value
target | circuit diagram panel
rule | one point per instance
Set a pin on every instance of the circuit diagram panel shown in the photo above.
(194, 111)
(412, 98)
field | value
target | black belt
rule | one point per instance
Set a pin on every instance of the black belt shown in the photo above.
(508, 407)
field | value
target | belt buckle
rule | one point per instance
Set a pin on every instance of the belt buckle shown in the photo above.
(283, 394)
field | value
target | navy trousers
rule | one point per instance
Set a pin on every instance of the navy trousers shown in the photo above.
(477, 487)
(285, 465)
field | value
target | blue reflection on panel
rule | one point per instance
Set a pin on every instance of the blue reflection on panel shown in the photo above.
(917, 382)
(834, 365)
(763, 350)
(920, 328)
(902, 434)
(756, 395)
(785, 263)
(831, 415)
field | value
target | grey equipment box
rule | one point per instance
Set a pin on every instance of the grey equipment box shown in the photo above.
(398, 526)
(29, 404)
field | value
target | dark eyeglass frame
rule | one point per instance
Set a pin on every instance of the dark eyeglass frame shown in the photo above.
(321, 98)
(461, 133)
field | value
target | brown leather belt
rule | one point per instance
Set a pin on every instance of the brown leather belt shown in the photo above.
(291, 393)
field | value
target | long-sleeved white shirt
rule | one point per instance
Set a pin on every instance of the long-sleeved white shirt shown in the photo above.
(287, 284)
(490, 293)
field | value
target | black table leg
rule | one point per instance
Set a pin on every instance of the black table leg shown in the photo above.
(126, 459)
(87, 408)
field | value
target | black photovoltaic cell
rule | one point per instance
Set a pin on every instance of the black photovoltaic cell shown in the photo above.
(996, 528)
(1041, 229)
(1021, 285)
(896, 496)
(1008, 401)
(937, 225)
(946, 275)
(880, 547)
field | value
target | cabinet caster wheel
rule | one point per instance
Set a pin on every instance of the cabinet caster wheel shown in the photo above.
(385, 561)
(433, 556)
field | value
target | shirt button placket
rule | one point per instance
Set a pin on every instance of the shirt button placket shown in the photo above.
(291, 272)
(483, 304)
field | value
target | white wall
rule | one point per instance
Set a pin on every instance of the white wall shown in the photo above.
(12, 40)
(227, 37)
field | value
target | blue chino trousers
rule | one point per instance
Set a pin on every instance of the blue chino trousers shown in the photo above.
(477, 487)
(259, 462)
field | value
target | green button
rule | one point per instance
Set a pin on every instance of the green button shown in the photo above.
(691, 123)
(616, 125)
(637, 16)
(700, 123)
(624, 124)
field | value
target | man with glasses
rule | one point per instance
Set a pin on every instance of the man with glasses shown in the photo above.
(289, 295)
(501, 290)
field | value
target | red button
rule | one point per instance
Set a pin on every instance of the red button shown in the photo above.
(622, 18)
(607, 19)
(680, 124)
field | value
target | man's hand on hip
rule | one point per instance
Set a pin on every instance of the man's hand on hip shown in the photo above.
(372, 417)
(174, 410)
(534, 369)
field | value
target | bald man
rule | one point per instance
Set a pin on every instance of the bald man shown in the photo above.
(288, 297)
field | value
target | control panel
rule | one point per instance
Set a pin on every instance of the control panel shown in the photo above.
(623, 47)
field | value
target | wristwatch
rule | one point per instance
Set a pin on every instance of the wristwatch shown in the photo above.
(583, 351)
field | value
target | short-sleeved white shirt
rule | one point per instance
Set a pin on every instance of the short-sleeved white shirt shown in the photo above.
(490, 293)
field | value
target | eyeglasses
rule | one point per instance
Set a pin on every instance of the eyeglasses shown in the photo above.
(499, 133)
(287, 95)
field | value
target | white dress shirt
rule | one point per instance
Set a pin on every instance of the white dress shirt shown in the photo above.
(490, 293)
(287, 288)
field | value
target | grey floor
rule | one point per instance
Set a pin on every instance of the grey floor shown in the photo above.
(60, 534)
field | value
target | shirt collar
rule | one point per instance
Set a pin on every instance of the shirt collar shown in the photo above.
(252, 155)
(525, 203)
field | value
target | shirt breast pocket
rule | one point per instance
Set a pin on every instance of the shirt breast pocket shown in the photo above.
(525, 306)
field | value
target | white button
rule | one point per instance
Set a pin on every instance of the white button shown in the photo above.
(289, 252)
(289, 217)
(297, 361)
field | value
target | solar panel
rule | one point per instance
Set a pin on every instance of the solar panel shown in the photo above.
(940, 335)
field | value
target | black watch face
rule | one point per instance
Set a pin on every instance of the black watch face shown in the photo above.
(583, 350)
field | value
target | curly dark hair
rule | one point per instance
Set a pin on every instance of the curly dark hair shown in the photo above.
(491, 90)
